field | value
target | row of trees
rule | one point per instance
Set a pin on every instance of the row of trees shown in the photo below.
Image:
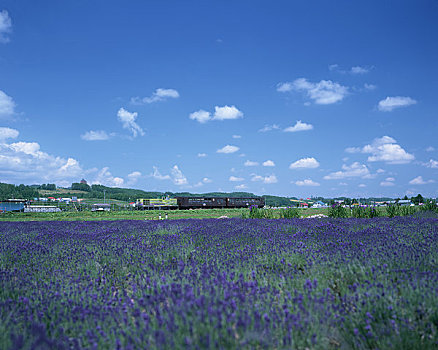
(8, 191)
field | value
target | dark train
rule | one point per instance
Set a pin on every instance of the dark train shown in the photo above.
(199, 203)
(218, 202)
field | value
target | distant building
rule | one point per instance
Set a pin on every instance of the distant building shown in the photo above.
(83, 181)
(101, 207)
(41, 209)
(12, 205)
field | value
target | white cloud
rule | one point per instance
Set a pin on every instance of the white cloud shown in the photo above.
(389, 181)
(7, 105)
(236, 179)
(431, 164)
(241, 187)
(250, 163)
(159, 95)
(226, 112)
(359, 70)
(369, 86)
(128, 121)
(305, 163)
(98, 135)
(380, 171)
(419, 181)
(354, 170)
(284, 87)
(430, 149)
(271, 179)
(362, 185)
(104, 177)
(5, 26)
(25, 162)
(324, 92)
(299, 126)
(133, 177)
(268, 163)
(384, 149)
(202, 155)
(8, 133)
(178, 177)
(157, 175)
(221, 113)
(390, 103)
(306, 182)
(206, 180)
(200, 116)
(333, 67)
(237, 136)
(228, 149)
(267, 128)
(353, 150)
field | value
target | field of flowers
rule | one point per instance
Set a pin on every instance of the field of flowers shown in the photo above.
(231, 283)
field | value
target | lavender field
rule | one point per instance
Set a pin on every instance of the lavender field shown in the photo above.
(232, 283)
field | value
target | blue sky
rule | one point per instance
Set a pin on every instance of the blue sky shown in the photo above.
(287, 98)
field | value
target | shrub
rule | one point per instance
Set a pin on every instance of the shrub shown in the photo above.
(364, 212)
(289, 213)
(338, 211)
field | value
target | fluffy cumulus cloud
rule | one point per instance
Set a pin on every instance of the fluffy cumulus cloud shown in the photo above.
(104, 177)
(391, 103)
(420, 181)
(157, 175)
(268, 163)
(226, 112)
(7, 105)
(128, 121)
(200, 116)
(306, 182)
(26, 162)
(8, 133)
(159, 95)
(220, 113)
(270, 179)
(206, 180)
(236, 179)
(389, 181)
(267, 128)
(354, 170)
(324, 92)
(432, 164)
(299, 126)
(384, 149)
(97, 135)
(250, 163)
(178, 177)
(305, 163)
(5, 26)
(228, 149)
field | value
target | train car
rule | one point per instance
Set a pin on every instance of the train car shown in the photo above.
(245, 202)
(157, 204)
(201, 202)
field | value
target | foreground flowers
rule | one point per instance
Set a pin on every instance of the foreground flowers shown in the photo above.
(232, 283)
